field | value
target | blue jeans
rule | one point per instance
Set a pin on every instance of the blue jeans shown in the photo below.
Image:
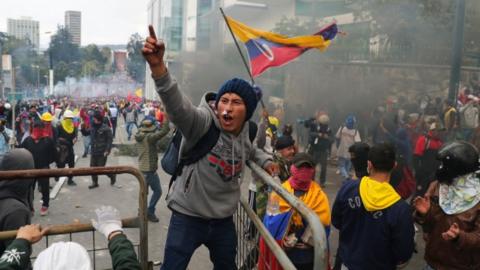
(153, 181)
(86, 144)
(345, 166)
(130, 129)
(186, 234)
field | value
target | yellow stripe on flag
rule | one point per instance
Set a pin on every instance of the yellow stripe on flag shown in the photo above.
(245, 33)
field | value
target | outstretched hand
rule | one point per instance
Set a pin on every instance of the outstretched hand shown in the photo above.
(422, 204)
(153, 52)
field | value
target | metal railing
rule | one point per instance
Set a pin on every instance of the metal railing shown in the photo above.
(247, 247)
(135, 222)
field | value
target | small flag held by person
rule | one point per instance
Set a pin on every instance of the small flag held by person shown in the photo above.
(267, 49)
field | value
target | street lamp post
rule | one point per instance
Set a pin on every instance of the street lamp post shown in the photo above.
(50, 71)
(38, 76)
(457, 48)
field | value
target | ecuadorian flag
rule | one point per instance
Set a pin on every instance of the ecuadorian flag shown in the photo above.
(267, 49)
(278, 224)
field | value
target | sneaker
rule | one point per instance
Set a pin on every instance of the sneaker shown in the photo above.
(44, 211)
(92, 186)
(71, 183)
(84, 155)
(152, 218)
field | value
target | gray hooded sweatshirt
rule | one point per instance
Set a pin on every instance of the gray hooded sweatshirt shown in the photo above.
(209, 188)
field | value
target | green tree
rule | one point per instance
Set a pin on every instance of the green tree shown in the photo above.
(136, 62)
(63, 50)
(93, 61)
(107, 54)
(28, 64)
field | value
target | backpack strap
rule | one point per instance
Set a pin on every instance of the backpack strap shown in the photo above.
(198, 151)
(252, 130)
(204, 146)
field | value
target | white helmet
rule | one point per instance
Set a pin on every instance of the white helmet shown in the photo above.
(7, 106)
(68, 114)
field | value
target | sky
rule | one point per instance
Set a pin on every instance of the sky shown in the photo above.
(103, 21)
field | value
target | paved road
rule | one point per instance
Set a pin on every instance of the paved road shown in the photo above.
(76, 204)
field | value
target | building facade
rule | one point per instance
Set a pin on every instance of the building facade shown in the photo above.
(196, 28)
(73, 23)
(25, 28)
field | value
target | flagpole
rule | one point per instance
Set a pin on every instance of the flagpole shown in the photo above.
(241, 53)
(238, 46)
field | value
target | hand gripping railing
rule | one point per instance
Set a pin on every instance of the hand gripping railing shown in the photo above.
(135, 222)
(318, 230)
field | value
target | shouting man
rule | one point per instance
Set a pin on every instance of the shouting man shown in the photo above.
(206, 193)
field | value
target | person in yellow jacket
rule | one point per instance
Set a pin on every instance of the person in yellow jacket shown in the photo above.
(298, 242)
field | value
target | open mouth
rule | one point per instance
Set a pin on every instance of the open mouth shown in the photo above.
(228, 119)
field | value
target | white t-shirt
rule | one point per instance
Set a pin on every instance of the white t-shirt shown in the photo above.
(347, 138)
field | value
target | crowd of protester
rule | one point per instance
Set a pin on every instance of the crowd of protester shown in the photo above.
(411, 163)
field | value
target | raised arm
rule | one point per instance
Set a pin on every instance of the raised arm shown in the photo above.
(192, 121)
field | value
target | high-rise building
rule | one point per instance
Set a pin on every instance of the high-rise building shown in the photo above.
(73, 23)
(25, 28)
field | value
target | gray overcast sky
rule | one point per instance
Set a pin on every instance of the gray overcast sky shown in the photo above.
(103, 21)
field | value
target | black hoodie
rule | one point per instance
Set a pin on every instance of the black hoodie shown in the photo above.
(15, 199)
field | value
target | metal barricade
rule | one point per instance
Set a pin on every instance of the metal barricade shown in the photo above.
(135, 222)
(247, 247)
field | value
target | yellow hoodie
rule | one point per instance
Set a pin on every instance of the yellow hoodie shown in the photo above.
(377, 195)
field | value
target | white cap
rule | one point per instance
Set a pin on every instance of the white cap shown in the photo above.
(63, 255)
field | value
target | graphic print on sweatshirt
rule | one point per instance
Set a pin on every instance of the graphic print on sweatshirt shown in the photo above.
(220, 158)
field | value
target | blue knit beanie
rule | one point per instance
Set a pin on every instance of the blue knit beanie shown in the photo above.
(242, 88)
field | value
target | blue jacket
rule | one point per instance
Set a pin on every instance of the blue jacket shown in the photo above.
(371, 240)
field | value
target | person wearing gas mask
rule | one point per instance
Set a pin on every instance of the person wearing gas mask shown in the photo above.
(449, 213)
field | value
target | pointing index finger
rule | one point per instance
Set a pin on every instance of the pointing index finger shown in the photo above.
(152, 32)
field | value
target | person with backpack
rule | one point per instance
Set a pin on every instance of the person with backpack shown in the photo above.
(346, 136)
(206, 190)
(147, 137)
(375, 225)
